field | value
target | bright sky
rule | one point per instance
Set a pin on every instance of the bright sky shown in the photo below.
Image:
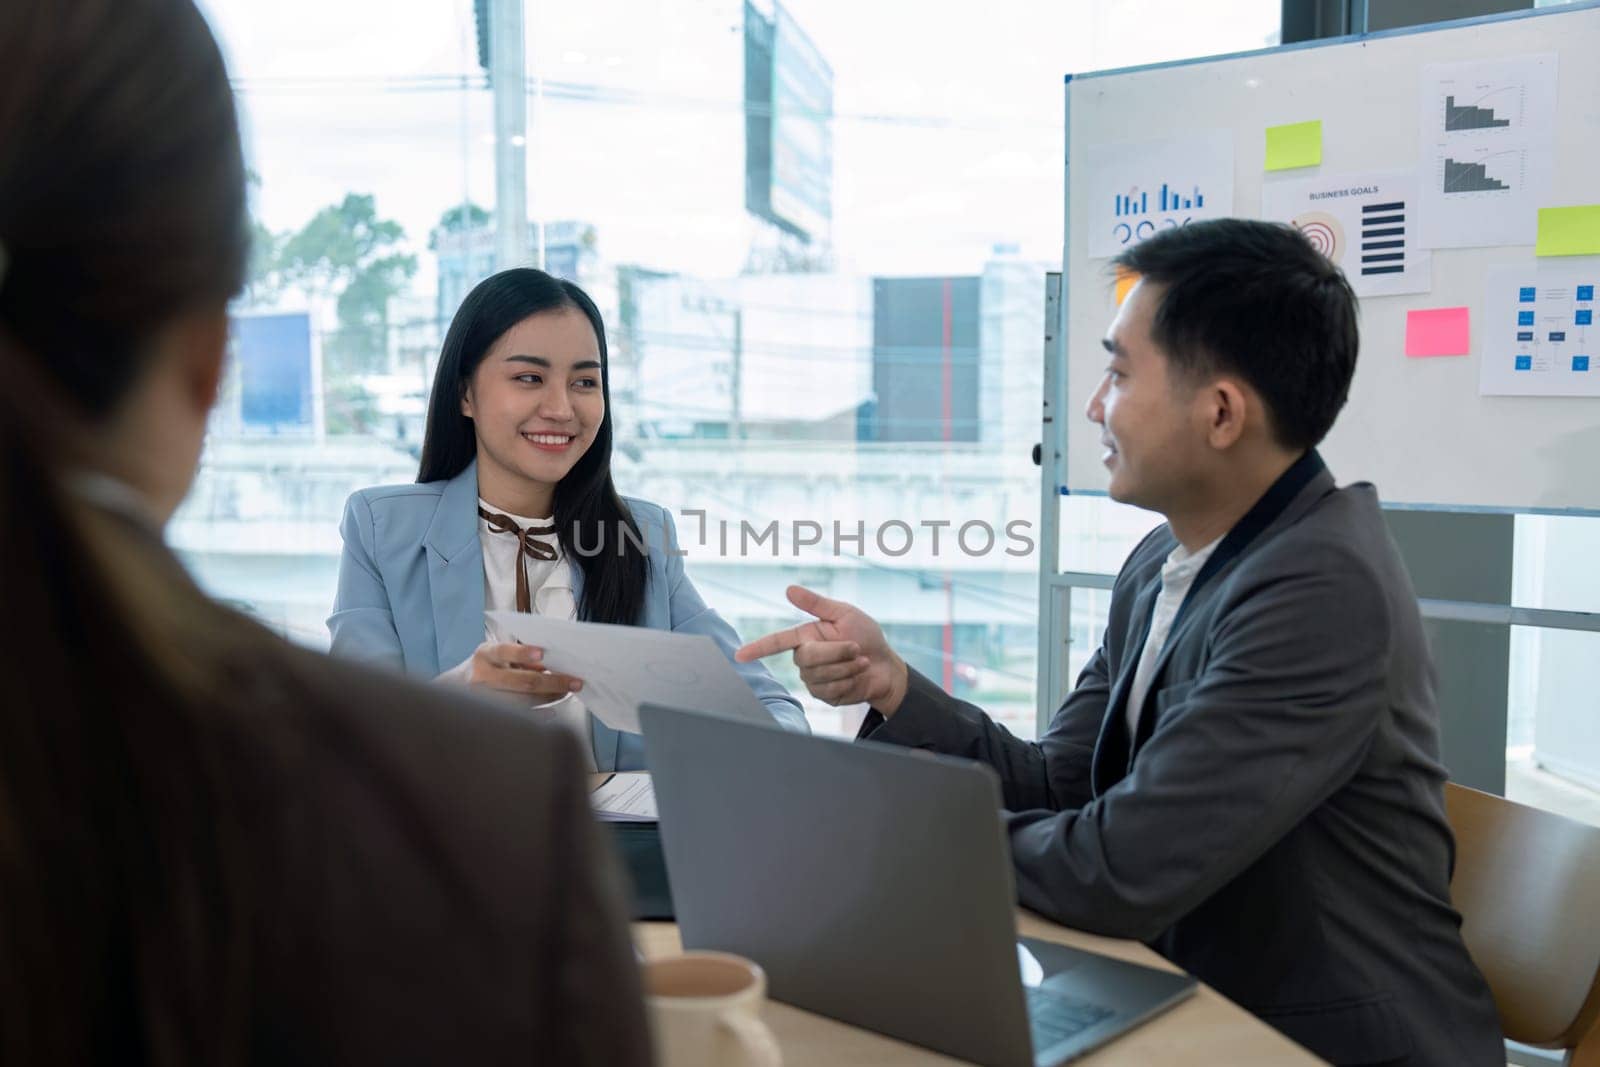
(948, 138)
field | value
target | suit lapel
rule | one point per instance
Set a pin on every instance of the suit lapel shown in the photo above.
(575, 574)
(1175, 636)
(1112, 748)
(1301, 486)
(455, 570)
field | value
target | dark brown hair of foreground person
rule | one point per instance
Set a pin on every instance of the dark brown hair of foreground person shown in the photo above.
(216, 848)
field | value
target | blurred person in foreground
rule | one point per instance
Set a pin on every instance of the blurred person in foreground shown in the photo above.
(216, 848)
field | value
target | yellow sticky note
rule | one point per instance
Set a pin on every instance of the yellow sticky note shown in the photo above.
(1296, 145)
(1126, 280)
(1569, 231)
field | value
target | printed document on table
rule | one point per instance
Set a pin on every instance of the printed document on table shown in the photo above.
(625, 797)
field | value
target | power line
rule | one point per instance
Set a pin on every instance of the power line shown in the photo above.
(592, 93)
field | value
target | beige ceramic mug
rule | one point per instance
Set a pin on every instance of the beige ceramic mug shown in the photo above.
(705, 1011)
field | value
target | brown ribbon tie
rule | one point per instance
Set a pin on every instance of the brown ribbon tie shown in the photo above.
(527, 545)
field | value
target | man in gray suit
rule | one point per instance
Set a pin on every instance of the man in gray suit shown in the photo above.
(1247, 774)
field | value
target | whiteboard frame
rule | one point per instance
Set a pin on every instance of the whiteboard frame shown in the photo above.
(1349, 38)
(1059, 474)
(1056, 587)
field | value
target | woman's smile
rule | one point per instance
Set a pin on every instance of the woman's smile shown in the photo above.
(550, 442)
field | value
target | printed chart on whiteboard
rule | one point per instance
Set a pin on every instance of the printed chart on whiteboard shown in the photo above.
(1365, 223)
(1138, 190)
(1488, 137)
(1539, 337)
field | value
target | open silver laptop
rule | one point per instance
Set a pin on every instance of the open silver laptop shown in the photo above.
(874, 885)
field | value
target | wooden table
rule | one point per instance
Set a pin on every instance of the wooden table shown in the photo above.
(1206, 1028)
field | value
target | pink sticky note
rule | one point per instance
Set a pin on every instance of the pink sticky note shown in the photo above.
(1438, 332)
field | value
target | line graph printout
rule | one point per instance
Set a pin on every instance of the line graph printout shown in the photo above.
(1488, 150)
(1363, 222)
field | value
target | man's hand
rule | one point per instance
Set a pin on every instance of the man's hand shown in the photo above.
(842, 656)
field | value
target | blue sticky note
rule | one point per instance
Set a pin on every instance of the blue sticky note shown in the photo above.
(1524, 318)
(1580, 363)
(1586, 317)
(1585, 292)
(1524, 362)
(1525, 295)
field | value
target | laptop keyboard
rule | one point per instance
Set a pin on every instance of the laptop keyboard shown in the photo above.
(1054, 1018)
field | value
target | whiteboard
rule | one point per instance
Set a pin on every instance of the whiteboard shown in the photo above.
(1417, 428)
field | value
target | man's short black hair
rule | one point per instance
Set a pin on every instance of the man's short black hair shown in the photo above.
(1257, 300)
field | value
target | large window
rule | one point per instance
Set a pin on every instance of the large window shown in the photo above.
(818, 232)
(1552, 744)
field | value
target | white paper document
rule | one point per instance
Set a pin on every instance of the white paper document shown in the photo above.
(623, 667)
(1539, 331)
(1488, 135)
(1138, 190)
(625, 797)
(1366, 223)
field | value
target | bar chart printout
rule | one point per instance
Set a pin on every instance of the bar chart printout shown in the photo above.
(1469, 178)
(1488, 150)
(1136, 190)
(1468, 117)
(1137, 202)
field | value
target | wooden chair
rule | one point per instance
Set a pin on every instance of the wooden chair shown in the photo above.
(1527, 884)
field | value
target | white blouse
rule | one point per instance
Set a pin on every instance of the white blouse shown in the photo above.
(549, 581)
(549, 593)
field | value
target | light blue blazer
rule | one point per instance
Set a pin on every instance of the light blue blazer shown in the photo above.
(411, 594)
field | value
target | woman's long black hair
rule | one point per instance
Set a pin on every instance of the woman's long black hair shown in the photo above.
(591, 520)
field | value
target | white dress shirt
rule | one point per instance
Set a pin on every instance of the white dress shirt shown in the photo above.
(1177, 575)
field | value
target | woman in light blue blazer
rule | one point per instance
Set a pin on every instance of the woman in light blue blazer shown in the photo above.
(514, 509)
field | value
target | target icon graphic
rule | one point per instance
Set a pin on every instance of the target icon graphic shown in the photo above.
(1323, 231)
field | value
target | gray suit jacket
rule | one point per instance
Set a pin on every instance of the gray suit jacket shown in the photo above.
(1277, 827)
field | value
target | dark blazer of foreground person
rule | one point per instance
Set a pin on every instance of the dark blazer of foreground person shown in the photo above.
(1277, 827)
(424, 883)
